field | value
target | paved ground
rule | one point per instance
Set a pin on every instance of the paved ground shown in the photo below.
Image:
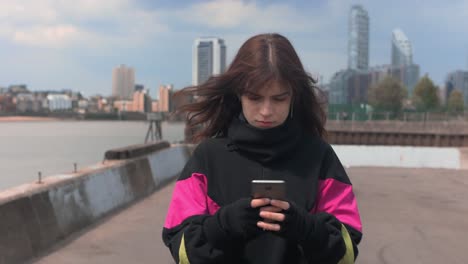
(409, 216)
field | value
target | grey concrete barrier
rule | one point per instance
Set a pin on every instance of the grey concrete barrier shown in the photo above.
(135, 150)
(34, 216)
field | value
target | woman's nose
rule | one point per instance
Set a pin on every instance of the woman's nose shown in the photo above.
(266, 108)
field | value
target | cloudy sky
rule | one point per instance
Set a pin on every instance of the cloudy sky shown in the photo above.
(57, 44)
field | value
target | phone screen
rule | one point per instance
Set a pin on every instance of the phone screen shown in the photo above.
(273, 189)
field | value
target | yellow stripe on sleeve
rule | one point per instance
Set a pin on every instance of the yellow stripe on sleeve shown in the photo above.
(348, 257)
(183, 259)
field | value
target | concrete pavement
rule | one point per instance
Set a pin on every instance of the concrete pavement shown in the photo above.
(409, 216)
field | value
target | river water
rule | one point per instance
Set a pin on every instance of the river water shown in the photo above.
(53, 147)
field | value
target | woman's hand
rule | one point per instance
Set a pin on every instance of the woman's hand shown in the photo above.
(272, 215)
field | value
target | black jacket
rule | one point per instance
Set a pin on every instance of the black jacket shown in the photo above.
(220, 172)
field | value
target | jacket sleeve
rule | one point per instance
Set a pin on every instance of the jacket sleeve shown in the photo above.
(338, 222)
(190, 206)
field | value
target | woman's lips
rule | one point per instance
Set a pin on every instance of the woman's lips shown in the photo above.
(265, 123)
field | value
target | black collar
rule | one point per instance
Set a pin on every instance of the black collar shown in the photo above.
(264, 145)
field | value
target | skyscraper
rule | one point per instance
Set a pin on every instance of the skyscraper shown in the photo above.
(358, 42)
(402, 52)
(123, 82)
(402, 60)
(209, 58)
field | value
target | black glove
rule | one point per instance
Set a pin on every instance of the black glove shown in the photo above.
(297, 225)
(318, 234)
(301, 227)
(236, 221)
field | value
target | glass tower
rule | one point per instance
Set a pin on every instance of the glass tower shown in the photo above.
(209, 58)
(358, 38)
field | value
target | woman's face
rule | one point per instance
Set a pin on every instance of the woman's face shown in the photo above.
(267, 107)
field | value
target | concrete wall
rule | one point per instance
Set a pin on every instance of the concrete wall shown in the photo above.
(35, 216)
(400, 156)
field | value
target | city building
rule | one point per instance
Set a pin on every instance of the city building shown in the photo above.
(17, 89)
(358, 38)
(141, 102)
(123, 105)
(25, 102)
(123, 82)
(407, 74)
(139, 87)
(402, 61)
(457, 80)
(59, 102)
(165, 94)
(402, 52)
(209, 58)
(349, 87)
(155, 106)
(7, 103)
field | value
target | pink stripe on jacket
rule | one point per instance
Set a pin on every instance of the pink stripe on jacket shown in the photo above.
(337, 198)
(188, 199)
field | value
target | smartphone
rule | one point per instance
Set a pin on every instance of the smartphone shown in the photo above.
(273, 189)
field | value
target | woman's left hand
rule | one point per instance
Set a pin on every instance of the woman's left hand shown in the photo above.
(273, 215)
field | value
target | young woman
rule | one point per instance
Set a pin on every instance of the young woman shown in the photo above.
(261, 119)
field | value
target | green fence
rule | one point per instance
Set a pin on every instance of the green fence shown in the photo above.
(365, 113)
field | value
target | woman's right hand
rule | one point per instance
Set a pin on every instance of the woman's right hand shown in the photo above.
(239, 219)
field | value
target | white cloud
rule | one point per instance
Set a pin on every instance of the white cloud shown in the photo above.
(62, 23)
(46, 35)
(247, 15)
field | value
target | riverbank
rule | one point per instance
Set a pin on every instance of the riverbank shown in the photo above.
(26, 118)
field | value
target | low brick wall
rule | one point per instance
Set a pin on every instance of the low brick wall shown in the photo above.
(35, 216)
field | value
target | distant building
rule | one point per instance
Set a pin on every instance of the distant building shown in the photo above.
(402, 52)
(155, 106)
(408, 75)
(24, 102)
(402, 66)
(139, 87)
(141, 102)
(349, 87)
(7, 103)
(123, 82)
(352, 86)
(83, 106)
(165, 94)
(59, 102)
(209, 58)
(123, 105)
(358, 38)
(457, 80)
(18, 88)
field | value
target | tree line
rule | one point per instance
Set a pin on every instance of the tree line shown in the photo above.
(390, 95)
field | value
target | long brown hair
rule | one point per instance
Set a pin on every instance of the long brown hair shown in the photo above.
(260, 60)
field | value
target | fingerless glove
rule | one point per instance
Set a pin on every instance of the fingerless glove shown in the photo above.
(236, 221)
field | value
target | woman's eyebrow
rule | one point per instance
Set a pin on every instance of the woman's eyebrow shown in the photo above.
(251, 93)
